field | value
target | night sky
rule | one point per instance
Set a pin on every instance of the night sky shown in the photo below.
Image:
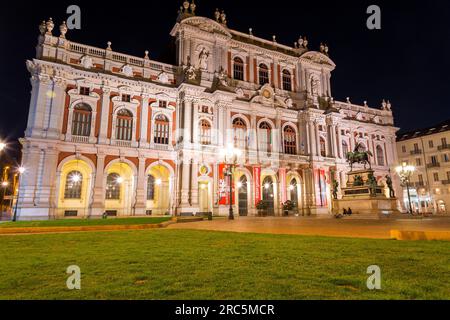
(407, 61)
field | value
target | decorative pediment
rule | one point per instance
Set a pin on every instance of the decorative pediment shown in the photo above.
(266, 96)
(207, 25)
(318, 59)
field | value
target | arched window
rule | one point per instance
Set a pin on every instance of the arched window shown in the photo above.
(290, 144)
(124, 127)
(265, 137)
(113, 182)
(161, 133)
(287, 81)
(238, 69)
(151, 187)
(345, 149)
(323, 148)
(263, 74)
(240, 133)
(81, 120)
(380, 156)
(74, 182)
(205, 132)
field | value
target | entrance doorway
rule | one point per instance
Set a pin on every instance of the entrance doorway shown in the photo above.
(243, 196)
(268, 195)
(294, 192)
(203, 193)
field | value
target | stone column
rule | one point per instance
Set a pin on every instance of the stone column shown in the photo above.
(144, 122)
(339, 144)
(187, 127)
(194, 183)
(56, 110)
(185, 182)
(195, 123)
(140, 188)
(104, 119)
(98, 203)
(46, 176)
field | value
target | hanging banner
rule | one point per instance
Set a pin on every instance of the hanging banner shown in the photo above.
(282, 177)
(257, 183)
(321, 187)
(224, 186)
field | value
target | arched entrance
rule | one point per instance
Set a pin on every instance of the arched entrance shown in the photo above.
(293, 190)
(120, 186)
(268, 195)
(158, 190)
(75, 185)
(243, 196)
(204, 196)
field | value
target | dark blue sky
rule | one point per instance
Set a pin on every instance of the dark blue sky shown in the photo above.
(407, 61)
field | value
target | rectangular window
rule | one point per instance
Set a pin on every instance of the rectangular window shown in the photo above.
(126, 98)
(163, 104)
(445, 157)
(416, 147)
(431, 144)
(436, 176)
(434, 160)
(84, 91)
(448, 175)
(403, 149)
(420, 178)
(418, 162)
(444, 142)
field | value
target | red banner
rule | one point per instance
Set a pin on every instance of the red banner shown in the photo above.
(257, 183)
(224, 186)
(282, 177)
(321, 187)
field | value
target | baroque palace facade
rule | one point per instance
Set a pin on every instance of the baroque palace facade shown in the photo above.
(109, 132)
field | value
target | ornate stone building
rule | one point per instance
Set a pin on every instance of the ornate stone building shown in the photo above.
(132, 136)
(428, 150)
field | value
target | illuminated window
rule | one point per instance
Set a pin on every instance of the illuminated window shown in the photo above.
(151, 187)
(74, 182)
(113, 184)
(126, 98)
(84, 91)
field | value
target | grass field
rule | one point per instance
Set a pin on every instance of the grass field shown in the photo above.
(185, 264)
(84, 222)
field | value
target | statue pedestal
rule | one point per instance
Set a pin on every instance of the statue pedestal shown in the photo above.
(364, 198)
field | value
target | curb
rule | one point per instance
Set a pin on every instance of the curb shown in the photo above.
(420, 235)
(34, 230)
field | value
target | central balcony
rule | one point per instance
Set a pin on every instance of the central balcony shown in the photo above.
(433, 165)
(416, 152)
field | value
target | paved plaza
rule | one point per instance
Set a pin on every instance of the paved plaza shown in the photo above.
(376, 229)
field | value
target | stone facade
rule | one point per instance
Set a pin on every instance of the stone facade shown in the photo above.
(133, 136)
(429, 151)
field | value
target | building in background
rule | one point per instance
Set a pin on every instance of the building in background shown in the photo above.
(429, 151)
(132, 136)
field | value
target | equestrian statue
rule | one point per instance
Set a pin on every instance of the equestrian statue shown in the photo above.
(359, 155)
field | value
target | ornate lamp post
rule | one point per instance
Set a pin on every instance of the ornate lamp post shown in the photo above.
(2, 146)
(20, 171)
(230, 155)
(404, 172)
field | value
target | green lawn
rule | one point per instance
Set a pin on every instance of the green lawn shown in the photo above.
(84, 222)
(184, 264)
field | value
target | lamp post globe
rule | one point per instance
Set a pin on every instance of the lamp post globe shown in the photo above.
(405, 172)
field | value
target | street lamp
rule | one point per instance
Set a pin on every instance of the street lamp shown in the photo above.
(230, 155)
(21, 170)
(404, 172)
(2, 146)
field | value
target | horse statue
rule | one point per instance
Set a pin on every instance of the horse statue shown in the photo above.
(359, 155)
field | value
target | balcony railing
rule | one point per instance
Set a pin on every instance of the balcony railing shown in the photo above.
(123, 143)
(446, 182)
(433, 165)
(80, 139)
(444, 147)
(416, 151)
